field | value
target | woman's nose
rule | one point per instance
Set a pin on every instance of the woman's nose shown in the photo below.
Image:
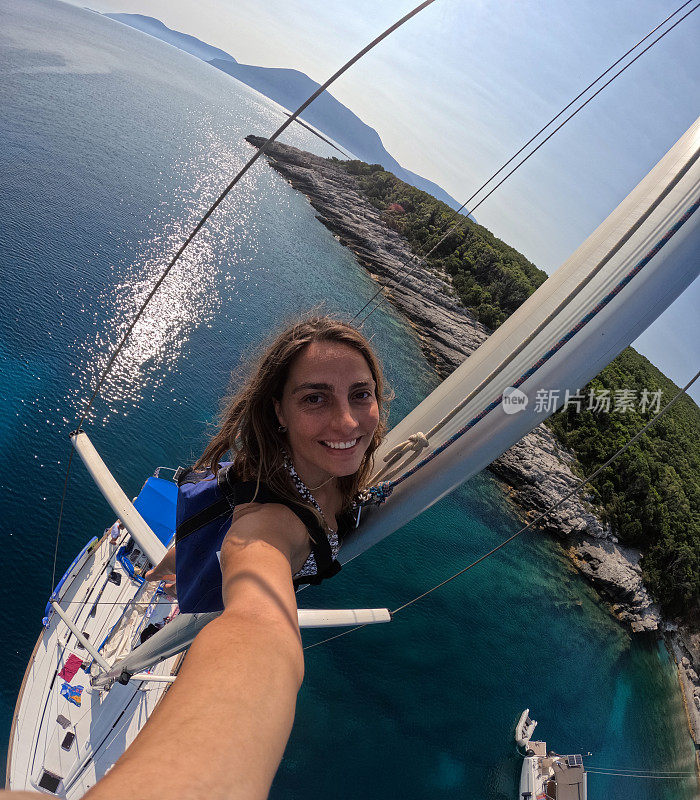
(345, 419)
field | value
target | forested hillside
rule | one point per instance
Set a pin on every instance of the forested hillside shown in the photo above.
(489, 276)
(651, 495)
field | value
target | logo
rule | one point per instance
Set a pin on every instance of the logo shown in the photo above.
(513, 400)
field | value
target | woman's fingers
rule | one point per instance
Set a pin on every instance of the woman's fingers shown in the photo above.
(157, 575)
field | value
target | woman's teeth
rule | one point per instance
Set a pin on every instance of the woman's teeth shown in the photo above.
(341, 445)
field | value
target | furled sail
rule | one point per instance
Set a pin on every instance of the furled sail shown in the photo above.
(631, 268)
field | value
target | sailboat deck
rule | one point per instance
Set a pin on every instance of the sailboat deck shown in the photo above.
(101, 597)
(570, 781)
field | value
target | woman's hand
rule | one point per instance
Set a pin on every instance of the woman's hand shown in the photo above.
(168, 578)
(165, 571)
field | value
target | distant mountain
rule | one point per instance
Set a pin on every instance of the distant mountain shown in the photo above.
(183, 41)
(290, 88)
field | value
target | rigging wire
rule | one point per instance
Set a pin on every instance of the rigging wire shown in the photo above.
(60, 517)
(538, 518)
(422, 259)
(651, 777)
(631, 769)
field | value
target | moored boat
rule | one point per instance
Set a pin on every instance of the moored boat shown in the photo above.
(546, 775)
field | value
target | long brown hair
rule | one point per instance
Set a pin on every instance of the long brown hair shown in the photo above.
(249, 428)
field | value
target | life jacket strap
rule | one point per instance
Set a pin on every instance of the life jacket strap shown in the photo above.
(231, 492)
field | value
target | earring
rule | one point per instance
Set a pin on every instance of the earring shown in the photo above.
(282, 428)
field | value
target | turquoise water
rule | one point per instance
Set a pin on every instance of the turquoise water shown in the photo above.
(112, 144)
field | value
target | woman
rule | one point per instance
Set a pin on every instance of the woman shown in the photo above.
(303, 429)
(274, 427)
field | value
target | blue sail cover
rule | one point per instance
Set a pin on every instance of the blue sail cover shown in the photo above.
(156, 504)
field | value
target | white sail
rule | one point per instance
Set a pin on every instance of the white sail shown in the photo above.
(631, 231)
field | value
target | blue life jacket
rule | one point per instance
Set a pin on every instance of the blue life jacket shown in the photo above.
(205, 504)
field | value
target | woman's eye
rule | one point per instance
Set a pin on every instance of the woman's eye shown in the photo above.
(313, 399)
(365, 394)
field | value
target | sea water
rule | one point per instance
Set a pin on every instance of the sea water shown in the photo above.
(112, 146)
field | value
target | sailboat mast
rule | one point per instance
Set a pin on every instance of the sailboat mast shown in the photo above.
(625, 275)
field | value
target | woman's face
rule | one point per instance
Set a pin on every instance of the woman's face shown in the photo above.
(330, 411)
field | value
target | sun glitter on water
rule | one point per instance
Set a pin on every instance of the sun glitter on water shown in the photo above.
(192, 293)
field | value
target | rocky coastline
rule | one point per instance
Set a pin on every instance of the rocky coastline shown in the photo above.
(537, 471)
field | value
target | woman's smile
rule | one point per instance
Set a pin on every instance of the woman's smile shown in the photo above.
(330, 411)
(341, 445)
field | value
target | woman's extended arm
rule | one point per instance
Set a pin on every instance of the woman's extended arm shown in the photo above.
(221, 729)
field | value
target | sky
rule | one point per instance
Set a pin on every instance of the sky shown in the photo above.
(461, 86)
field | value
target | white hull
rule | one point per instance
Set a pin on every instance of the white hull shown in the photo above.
(106, 722)
(543, 777)
(530, 782)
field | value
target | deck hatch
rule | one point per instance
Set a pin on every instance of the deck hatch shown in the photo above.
(115, 577)
(49, 781)
(68, 741)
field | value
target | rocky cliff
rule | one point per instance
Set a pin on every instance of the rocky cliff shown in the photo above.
(537, 470)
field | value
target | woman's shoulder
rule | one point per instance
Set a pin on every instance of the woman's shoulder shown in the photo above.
(263, 513)
(257, 527)
(273, 522)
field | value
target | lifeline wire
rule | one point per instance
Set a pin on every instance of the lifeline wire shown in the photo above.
(534, 521)
(393, 284)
